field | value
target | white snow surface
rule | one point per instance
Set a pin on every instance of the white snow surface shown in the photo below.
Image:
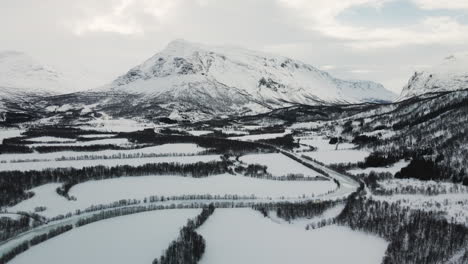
(279, 164)
(137, 238)
(9, 133)
(262, 136)
(91, 192)
(391, 169)
(245, 236)
(327, 154)
(338, 156)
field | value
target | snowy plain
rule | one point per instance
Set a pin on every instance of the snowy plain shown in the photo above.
(111, 190)
(391, 169)
(165, 149)
(245, 236)
(279, 164)
(329, 154)
(137, 238)
(9, 133)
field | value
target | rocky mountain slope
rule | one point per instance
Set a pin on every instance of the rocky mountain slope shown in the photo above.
(450, 75)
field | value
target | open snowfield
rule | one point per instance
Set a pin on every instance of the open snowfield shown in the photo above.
(199, 132)
(322, 143)
(107, 124)
(338, 156)
(279, 164)
(78, 164)
(111, 190)
(165, 149)
(327, 154)
(97, 136)
(391, 169)
(9, 133)
(245, 236)
(261, 136)
(137, 238)
(46, 139)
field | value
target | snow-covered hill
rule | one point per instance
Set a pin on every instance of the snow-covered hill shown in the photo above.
(187, 76)
(22, 74)
(450, 75)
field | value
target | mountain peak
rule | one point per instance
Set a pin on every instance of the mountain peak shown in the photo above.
(449, 75)
(234, 79)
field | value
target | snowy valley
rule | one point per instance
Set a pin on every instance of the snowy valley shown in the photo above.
(206, 154)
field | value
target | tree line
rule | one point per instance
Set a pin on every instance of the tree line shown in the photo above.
(290, 211)
(14, 184)
(189, 246)
(415, 236)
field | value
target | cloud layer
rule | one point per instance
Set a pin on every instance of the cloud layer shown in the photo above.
(110, 36)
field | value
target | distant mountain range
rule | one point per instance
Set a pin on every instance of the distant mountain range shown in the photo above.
(190, 81)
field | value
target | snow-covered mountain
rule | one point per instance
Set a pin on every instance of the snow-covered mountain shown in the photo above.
(450, 75)
(186, 76)
(21, 73)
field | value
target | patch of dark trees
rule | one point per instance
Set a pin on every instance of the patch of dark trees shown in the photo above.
(189, 246)
(364, 140)
(8, 148)
(220, 145)
(267, 130)
(59, 131)
(13, 184)
(426, 169)
(286, 142)
(415, 236)
(9, 227)
(426, 117)
(290, 211)
(15, 251)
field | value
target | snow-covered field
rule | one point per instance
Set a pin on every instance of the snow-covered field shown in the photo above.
(391, 169)
(97, 135)
(107, 124)
(199, 132)
(111, 190)
(323, 144)
(261, 136)
(328, 154)
(279, 164)
(165, 149)
(9, 133)
(338, 156)
(46, 139)
(78, 164)
(137, 238)
(245, 236)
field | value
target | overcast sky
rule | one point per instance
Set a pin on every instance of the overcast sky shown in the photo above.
(379, 40)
